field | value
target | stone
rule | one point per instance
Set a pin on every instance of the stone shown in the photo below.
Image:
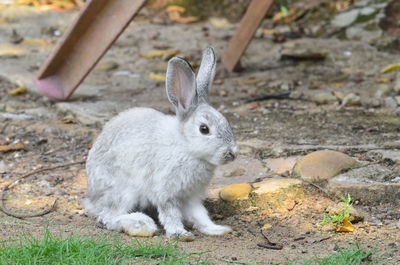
(235, 192)
(3, 167)
(345, 19)
(276, 193)
(370, 185)
(351, 100)
(106, 66)
(302, 51)
(322, 165)
(397, 111)
(243, 169)
(89, 113)
(366, 11)
(381, 90)
(355, 216)
(390, 102)
(392, 156)
(324, 98)
(361, 33)
(397, 84)
(397, 98)
(281, 165)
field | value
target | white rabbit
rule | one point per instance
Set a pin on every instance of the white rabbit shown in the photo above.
(145, 159)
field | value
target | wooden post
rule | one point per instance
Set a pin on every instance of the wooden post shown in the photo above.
(96, 28)
(243, 35)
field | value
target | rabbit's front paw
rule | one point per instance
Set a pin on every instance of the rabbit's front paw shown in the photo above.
(215, 230)
(138, 224)
(184, 236)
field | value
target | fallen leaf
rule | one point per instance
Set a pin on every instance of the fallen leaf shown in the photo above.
(382, 80)
(160, 53)
(17, 91)
(174, 14)
(347, 227)
(35, 42)
(220, 22)
(390, 68)
(67, 119)
(8, 148)
(269, 31)
(266, 226)
(157, 77)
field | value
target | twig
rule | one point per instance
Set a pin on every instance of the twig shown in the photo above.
(330, 196)
(13, 183)
(269, 245)
(282, 95)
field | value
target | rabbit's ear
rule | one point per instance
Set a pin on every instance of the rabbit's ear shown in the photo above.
(206, 73)
(181, 85)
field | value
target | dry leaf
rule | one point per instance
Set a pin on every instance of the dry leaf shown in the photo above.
(174, 14)
(220, 22)
(157, 77)
(8, 148)
(382, 80)
(269, 31)
(35, 42)
(390, 68)
(67, 119)
(160, 53)
(17, 91)
(347, 227)
(266, 226)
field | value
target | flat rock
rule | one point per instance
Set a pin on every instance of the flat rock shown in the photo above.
(235, 192)
(302, 51)
(89, 113)
(370, 185)
(276, 194)
(243, 169)
(3, 167)
(281, 165)
(322, 165)
(345, 19)
(324, 98)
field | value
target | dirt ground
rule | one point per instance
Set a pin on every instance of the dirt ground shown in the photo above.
(56, 133)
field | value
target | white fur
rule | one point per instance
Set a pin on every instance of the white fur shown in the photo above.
(145, 159)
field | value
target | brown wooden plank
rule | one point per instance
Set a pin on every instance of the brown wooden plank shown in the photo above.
(96, 28)
(245, 32)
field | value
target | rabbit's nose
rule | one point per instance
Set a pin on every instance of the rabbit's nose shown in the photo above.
(230, 155)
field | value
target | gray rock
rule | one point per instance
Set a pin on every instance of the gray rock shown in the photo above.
(381, 90)
(324, 98)
(351, 100)
(302, 51)
(397, 111)
(345, 19)
(366, 11)
(360, 33)
(14, 116)
(3, 167)
(390, 102)
(372, 184)
(89, 113)
(397, 84)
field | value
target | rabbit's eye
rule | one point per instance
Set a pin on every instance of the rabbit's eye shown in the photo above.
(204, 129)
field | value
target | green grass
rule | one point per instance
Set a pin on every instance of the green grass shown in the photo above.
(90, 250)
(109, 250)
(351, 255)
